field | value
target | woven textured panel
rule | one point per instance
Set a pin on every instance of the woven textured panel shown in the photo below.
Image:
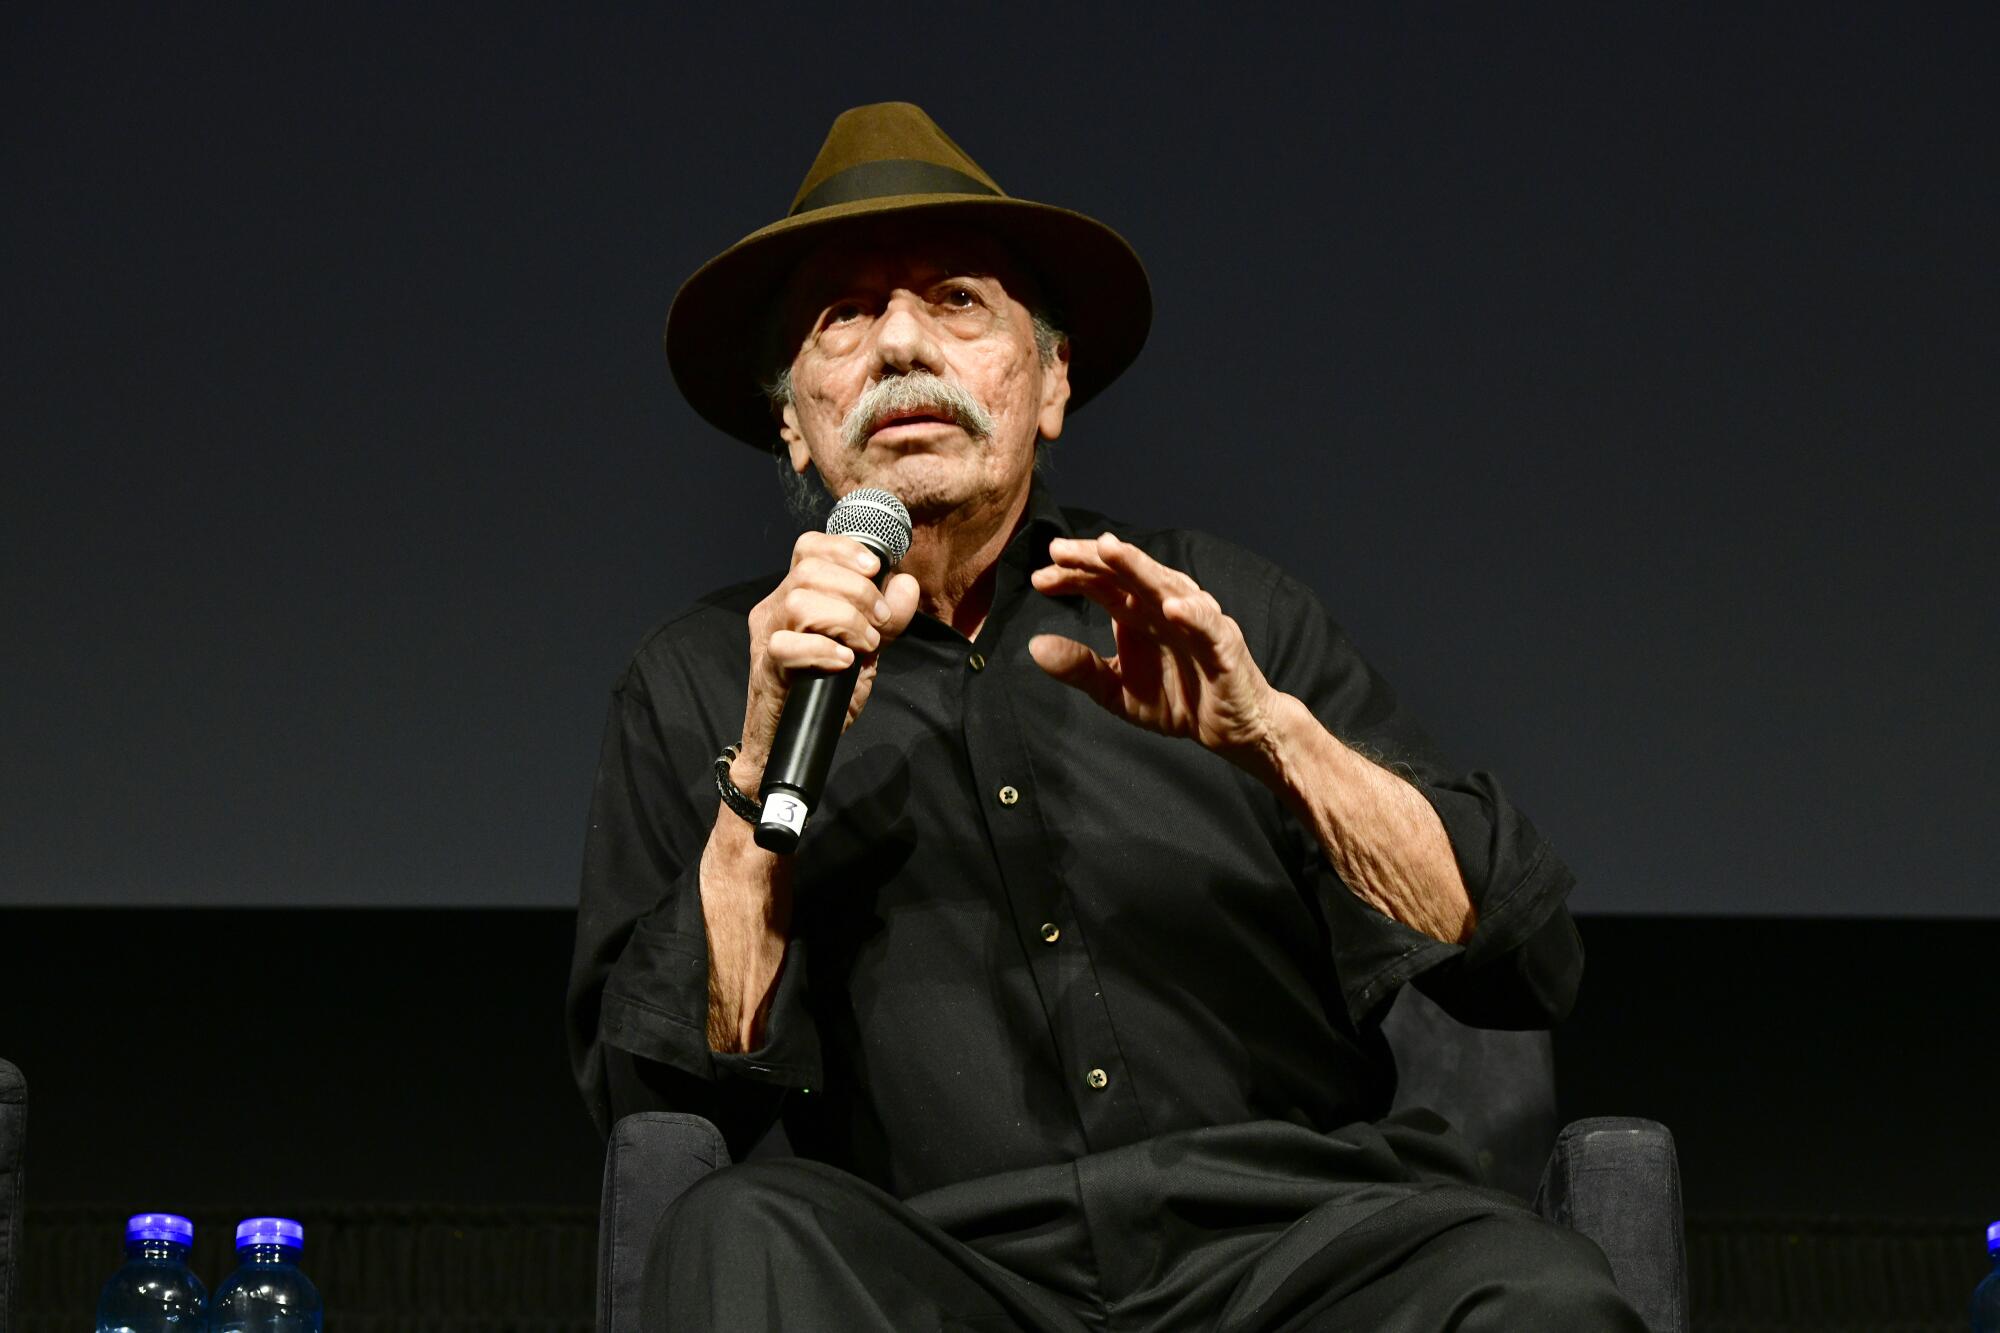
(1833, 1274)
(379, 1267)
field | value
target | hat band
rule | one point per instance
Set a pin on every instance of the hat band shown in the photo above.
(888, 176)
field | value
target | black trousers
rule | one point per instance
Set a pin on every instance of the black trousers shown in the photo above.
(1379, 1228)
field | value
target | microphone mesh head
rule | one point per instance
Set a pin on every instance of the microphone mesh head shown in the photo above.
(875, 517)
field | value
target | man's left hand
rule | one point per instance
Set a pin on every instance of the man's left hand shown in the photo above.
(1182, 667)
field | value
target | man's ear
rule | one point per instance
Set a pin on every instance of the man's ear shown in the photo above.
(1055, 393)
(794, 438)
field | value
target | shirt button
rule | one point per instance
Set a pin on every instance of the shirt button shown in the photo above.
(1008, 796)
(1051, 932)
(1097, 1078)
(977, 661)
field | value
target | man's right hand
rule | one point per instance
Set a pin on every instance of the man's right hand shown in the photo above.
(825, 614)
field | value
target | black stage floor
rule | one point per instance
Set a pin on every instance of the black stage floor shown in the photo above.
(402, 1072)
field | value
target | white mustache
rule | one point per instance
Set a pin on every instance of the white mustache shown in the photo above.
(918, 391)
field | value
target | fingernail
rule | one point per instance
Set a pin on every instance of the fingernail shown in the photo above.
(881, 608)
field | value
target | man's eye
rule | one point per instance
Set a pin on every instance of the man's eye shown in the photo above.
(843, 312)
(959, 298)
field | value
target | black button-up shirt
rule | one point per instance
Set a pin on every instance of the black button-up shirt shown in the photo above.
(1025, 930)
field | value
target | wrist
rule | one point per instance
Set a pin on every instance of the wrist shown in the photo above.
(1309, 769)
(747, 769)
(1285, 751)
(732, 849)
(742, 882)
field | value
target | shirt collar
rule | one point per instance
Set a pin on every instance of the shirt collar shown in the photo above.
(1042, 520)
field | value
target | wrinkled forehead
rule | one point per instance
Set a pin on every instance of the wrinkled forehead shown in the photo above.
(901, 253)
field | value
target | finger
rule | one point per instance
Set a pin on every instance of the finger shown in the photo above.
(1076, 665)
(901, 597)
(1189, 616)
(1101, 588)
(844, 551)
(1190, 630)
(1075, 553)
(1060, 581)
(1204, 629)
(1140, 573)
(840, 581)
(810, 611)
(1147, 582)
(792, 651)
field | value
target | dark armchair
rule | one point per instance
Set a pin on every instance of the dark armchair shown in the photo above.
(1616, 1180)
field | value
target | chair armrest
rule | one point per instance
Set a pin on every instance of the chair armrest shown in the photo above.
(13, 1174)
(1617, 1180)
(652, 1157)
(1498, 1088)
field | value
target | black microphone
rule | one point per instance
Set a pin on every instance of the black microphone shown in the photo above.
(816, 708)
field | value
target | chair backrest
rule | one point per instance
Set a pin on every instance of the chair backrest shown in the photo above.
(13, 1184)
(1498, 1088)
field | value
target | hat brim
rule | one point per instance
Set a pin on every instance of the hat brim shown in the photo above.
(716, 329)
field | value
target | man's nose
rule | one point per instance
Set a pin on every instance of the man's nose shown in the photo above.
(904, 339)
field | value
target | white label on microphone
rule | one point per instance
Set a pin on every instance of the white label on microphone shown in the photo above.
(786, 811)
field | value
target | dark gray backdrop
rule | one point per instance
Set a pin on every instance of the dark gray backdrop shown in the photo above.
(1625, 381)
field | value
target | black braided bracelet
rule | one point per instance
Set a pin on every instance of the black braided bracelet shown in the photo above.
(751, 810)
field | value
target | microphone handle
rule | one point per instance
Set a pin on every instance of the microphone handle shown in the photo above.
(795, 775)
(808, 730)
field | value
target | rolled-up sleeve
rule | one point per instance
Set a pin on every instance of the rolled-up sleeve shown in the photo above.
(637, 1012)
(1522, 964)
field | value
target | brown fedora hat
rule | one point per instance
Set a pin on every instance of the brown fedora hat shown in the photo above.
(879, 160)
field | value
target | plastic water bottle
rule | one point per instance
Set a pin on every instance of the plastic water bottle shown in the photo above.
(267, 1293)
(154, 1291)
(1986, 1296)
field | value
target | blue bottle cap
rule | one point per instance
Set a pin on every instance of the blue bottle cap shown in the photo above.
(1993, 1238)
(160, 1226)
(270, 1231)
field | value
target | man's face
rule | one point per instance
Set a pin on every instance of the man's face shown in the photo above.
(874, 320)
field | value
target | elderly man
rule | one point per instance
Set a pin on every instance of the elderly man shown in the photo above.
(1069, 999)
